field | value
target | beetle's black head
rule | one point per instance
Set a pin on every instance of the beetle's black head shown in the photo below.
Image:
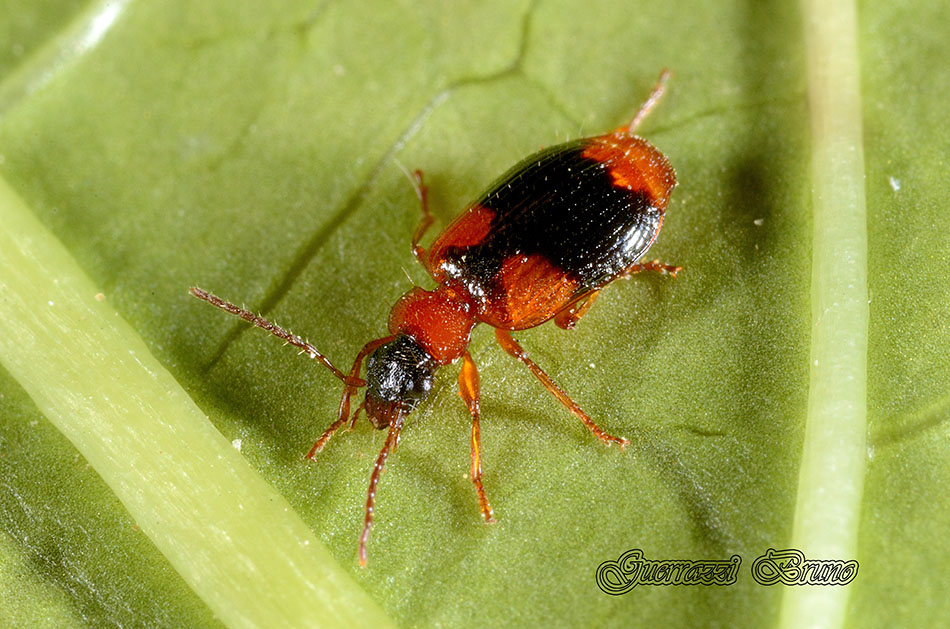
(399, 375)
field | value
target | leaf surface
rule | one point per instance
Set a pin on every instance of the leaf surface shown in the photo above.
(257, 150)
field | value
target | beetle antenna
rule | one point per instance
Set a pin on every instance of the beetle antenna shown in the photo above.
(392, 439)
(273, 328)
(650, 102)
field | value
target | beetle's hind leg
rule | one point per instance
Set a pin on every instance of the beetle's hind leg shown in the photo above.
(510, 345)
(568, 316)
(653, 265)
(655, 95)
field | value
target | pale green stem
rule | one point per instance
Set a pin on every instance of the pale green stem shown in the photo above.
(230, 535)
(831, 477)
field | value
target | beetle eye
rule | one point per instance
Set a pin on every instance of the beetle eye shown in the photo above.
(423, 384)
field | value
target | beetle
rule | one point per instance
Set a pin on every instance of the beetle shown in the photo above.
(540, 244)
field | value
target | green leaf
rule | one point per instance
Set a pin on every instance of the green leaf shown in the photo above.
(258, 150)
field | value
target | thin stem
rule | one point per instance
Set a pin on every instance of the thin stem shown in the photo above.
(831, 476)
(227, 532)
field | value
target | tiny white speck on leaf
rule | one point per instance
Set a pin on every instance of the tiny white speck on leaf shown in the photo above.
(237, 444)
(895, 183)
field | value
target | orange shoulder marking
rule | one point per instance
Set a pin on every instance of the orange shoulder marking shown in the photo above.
(635, 164)
(469, 229)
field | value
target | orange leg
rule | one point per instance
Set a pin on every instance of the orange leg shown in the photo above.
(654, 265)
(348, 392)
(510, 345)
(469, 389)
(649, 103)
(392, 440)
(567, 318)
(422, 191)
